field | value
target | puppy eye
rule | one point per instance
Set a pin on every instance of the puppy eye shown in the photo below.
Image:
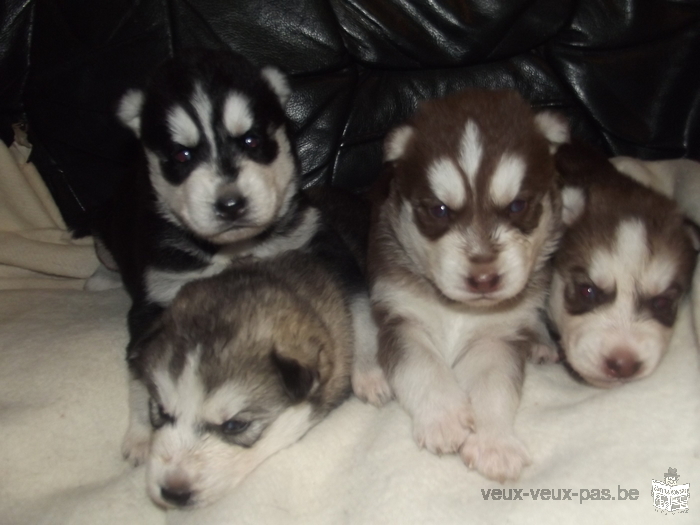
(439, 211)
(158, 415)
(182, 156)
(588, 291)
(251, 141)
(661, 304)
(517, 206)
(234, 426)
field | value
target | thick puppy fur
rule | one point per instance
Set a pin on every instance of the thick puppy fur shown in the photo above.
(216, 178)
(458, 269)
(240, 366)
(624, 264)
(216, 181)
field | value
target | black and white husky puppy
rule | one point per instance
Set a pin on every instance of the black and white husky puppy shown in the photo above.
(216, 180)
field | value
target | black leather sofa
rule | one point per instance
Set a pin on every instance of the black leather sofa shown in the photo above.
(624, 71)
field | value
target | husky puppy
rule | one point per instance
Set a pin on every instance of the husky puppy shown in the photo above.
(240, 366)
(624, 265)
(458, 273)
(216, 178)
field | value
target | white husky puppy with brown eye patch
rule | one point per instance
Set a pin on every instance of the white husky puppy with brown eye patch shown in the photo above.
(458, 273)
(624, 264)
(240, 366)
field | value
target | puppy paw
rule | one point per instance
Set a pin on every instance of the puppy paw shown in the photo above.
(444, 430)
(136, 446)
(500, 458)
(371, 386)
(541, 354)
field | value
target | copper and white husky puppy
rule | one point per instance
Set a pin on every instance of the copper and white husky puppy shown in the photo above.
(458, 269)
(623, 268)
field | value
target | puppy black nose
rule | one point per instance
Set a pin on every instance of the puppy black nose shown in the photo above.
(622, 364)
(176, 496)
(230, 207)
(483, 279)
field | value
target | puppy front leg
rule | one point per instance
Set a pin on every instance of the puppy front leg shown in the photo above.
(137, 440)
(492, 373)
(368, 380)
(426, 387)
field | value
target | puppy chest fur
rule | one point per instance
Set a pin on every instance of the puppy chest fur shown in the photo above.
(458, 254)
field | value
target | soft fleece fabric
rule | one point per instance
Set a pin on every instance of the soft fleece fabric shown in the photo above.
(63, 411)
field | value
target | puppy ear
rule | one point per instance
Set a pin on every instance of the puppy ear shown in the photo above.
(573, 201)
(396, 142)
(297, 379)
(554, 127)
(129, 110)
(278, 83)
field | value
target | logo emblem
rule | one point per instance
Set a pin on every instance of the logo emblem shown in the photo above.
(670, 497)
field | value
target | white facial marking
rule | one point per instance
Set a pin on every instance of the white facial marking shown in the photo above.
(183, 129)
(507, 179)
(632, 271)
(445, 261)
(224, 403)
(181, 397)
(162, 285)
(447, 183)
(199, 193)
(189, 455)
(237, 116)
(658, 274)
(267, 188)
(202, 105)
(395, 144)
(628, 257)
(471, 151)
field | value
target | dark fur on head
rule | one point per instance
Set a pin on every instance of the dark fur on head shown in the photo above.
(622, 269)
(215, 171)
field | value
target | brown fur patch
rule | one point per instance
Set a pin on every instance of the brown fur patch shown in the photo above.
(290, 306)
(506, 126)
(610, 199)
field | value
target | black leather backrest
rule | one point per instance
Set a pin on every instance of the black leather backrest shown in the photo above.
(624, 71)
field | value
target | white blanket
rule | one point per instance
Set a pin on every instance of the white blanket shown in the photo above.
(63, 412)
